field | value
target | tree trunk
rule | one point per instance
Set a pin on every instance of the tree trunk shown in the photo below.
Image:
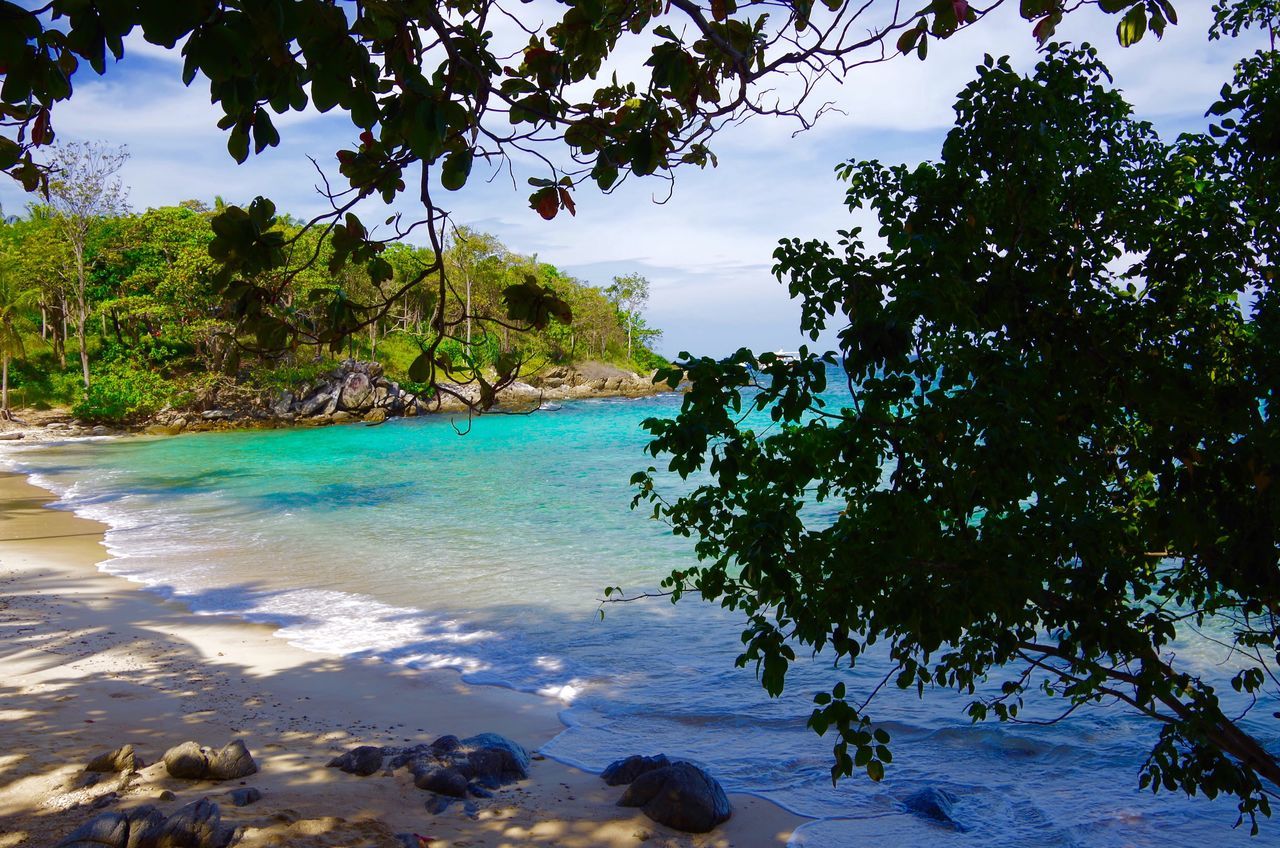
(4, 387)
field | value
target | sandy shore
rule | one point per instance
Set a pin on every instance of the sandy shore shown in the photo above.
(89, 662)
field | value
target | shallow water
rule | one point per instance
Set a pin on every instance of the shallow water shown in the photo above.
(488, 553)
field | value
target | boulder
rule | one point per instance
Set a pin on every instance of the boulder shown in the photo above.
(186, 761)
(100, 430)
(377, 415)
(217, 415)
(10, 437)
(316, 403)
(283, 404)
(192, 762)
(681, 796)
(232, 762)
(934, 804)
(121, 759)
(624, 771)
(379, 397)
(356, 393)
(137, 828)
(364, 761)
(197, 825)
(340, 416)
(509, 763)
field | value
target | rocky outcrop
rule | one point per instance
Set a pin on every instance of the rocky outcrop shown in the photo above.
(449, 766)
(679, 795)
(192, 762)
(197, 825)
(123, 759)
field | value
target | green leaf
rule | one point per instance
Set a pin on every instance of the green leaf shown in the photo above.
(457, 167)
(420, 368)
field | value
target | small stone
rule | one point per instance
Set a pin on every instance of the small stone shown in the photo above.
(437, 804)
(166, 795)
(245, 797)
(475, 790)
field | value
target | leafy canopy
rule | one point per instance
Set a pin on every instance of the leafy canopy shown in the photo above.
(436, 89)
(1061, 457)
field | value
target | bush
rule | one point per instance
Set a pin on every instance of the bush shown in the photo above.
(120, 392)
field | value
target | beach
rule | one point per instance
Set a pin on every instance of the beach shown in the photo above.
(90, 662)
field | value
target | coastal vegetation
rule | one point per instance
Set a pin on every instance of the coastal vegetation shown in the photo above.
(117, 314)
(1056, 486)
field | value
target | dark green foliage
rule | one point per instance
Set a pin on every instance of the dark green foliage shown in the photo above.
(1060, 458)
(123, 391)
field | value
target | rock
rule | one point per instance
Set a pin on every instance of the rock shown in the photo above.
(186, 761)
(107, 829)
(442, 781)
(101, 430)
(217, 415)
(166, 795)
(191, 762)
(10, 437)
(376, 415)
(245, 797)
(446, 744)
(680, 795)
(340, 416)
(513, 759)
(233, 761)
(364, 761)
(121, 759)
(137, 828)
(197, 825)
(105, 800)
(55, 425)
(475, 790)
(379, 396)
(145, 825)
(934, 804)
(283, 404)
(625, 771)
(356, 393)
(315, 404)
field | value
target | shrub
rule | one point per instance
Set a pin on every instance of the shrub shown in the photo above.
(120, 392)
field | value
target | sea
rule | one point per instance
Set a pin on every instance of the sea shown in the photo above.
(485, 547)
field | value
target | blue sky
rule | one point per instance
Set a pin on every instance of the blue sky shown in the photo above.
(706, 250)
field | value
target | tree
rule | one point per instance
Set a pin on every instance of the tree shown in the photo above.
(1061, 454)
(85, 189)
(630, 294)
(14, 301)
(432, 92)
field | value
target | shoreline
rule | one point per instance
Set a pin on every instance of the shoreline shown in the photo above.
(92, 661)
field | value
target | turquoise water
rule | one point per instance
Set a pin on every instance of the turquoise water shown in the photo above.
(488, 552)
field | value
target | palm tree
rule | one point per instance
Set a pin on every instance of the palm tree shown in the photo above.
(13, 302)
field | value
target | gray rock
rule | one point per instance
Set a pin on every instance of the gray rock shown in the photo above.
(186, 761)
(217, 415)
(197, 825)
(101, 430)
(55, 425)
(379, 397)
(475, 790)
(107, 829)
(283, 404)
(624, 771)
(442, 781)
(232, 762)
(123, 758)
(681, 796)
(315, 404)
(934, 804)
(437, 804)
(245, 797)
(10, 437)
(364, 761)
(357, 392)
(145, 826)
(192, 762)
(446, 744)
(513, 758)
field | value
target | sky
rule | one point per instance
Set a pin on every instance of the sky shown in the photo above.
(706, 248)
